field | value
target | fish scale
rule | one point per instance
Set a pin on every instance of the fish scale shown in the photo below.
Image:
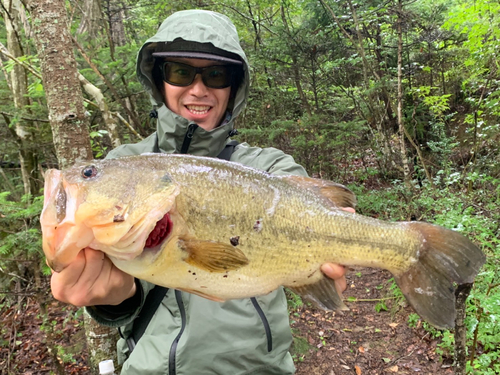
(238, 232)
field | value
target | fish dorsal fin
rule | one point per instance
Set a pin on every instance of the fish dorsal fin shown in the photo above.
(336, 193)
(323, 294)
(213, 256)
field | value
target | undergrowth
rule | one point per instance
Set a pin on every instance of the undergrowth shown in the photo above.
(476, 214)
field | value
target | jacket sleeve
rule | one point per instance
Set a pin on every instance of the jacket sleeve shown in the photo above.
(268, 159)
(124, 313)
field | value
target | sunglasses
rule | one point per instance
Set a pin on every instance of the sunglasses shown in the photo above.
(179, 74)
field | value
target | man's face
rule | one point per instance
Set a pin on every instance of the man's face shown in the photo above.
(204, 105)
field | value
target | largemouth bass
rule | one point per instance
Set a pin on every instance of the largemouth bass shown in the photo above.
(223, 231)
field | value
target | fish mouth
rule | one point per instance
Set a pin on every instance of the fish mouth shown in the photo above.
(160, 232)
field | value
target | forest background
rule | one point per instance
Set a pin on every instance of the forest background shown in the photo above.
(399, 100)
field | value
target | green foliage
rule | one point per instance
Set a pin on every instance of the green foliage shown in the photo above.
(323, 147)
(20, 237)
(476, 215)
(293, 300)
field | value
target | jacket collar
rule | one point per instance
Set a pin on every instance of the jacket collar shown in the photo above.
(172, 131)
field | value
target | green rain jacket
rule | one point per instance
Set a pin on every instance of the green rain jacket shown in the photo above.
(190, 335)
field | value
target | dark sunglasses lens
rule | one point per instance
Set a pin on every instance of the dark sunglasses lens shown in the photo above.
(217, 77)
(178, 74)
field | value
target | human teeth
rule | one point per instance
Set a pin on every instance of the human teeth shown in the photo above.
(198, 109)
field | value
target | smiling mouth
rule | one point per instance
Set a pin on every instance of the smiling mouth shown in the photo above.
(160, 232)
(198, 109)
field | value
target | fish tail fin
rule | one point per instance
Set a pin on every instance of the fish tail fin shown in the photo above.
(446, 258)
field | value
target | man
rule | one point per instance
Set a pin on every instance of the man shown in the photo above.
(198, 78)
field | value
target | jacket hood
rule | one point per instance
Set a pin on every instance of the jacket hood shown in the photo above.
(198, 26)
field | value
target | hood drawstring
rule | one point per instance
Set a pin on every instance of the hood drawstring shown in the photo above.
(188, 137)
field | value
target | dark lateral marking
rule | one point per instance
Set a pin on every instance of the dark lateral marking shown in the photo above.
(311, 275)
(118, 218)
(224, 276)
(235, 240)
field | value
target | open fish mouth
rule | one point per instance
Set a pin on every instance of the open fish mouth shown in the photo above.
(160, 232)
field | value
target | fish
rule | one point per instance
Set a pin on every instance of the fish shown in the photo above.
(223, 231)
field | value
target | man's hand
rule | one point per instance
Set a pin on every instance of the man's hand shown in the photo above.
(92, 279)
(336, 271)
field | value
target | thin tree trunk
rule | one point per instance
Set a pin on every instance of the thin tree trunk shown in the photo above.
(371, 99)
(109, 84)
(116, 16)
(460, 359)
(90, 19)
(258, 41)
(109, 120)
(295, 66)
(111, 27)
(19, 84)
(404, 158)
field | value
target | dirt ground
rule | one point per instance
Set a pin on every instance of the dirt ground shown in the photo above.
(359, 341)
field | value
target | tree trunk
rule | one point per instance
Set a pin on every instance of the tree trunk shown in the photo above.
(116, 27)
(460, 360)
(90, 23)
(60, 80)
(70, 125)
(404, 158)
(295, 66)
(109, 119)
(19, 85)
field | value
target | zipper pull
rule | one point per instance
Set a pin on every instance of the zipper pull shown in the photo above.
(188, 137)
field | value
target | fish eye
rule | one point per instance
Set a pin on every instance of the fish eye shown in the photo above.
(89, 171)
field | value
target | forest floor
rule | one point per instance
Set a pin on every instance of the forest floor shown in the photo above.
(359, 341)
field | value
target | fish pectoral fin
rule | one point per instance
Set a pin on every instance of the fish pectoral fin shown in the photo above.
(323, 294)
(213, 256)
(336, 193)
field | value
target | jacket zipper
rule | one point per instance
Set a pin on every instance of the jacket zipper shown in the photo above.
(173, 348)
(188, 137)
(265, 322)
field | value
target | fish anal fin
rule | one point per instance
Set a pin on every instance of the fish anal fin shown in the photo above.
(213, 256)
(336, 193)
(323, 294)
(446, 258)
